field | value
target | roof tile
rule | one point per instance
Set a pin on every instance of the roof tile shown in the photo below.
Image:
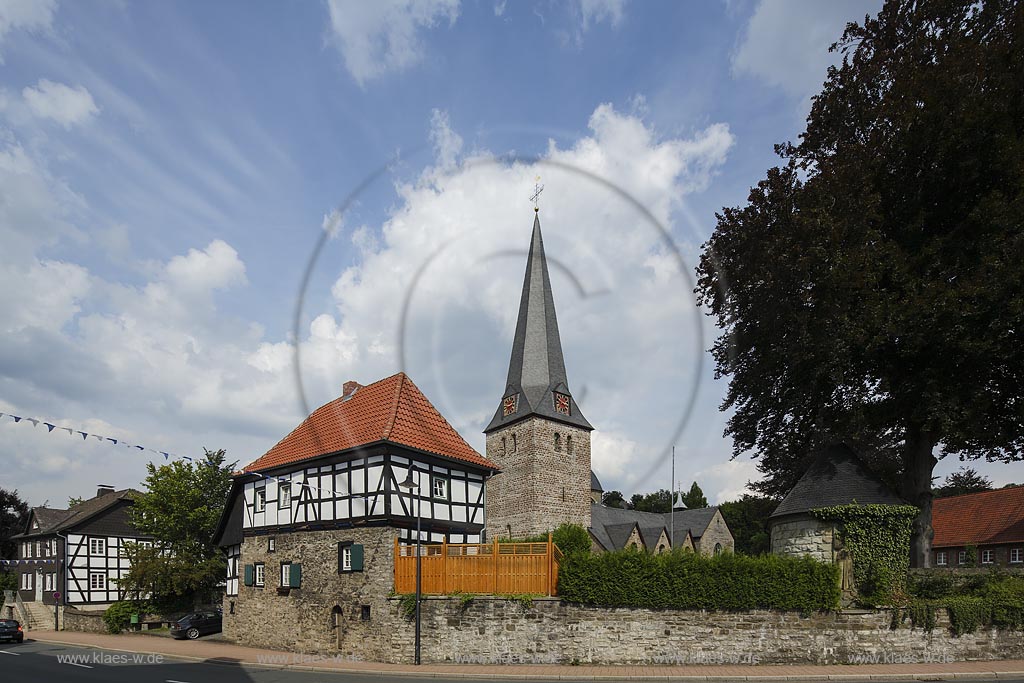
(392, 409)
(979, 518)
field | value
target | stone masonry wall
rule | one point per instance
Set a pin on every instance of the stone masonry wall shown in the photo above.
(492, 630)
(539, 488)
(302, 621)
(717, 532)
(803, 535)
(82, 621)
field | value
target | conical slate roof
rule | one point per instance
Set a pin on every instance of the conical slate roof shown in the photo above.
(536, 372)
(836, 477)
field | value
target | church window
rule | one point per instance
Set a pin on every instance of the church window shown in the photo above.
(503, 446)
(568, 444)
(513, 443)
(558, 442)
(718, 549)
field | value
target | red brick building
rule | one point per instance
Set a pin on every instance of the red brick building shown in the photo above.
(988, 525)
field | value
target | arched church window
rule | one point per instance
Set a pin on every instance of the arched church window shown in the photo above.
(503, 449)
(718, 549)
(568, 444)
(558, 442)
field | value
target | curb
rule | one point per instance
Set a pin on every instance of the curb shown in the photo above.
(766, 678)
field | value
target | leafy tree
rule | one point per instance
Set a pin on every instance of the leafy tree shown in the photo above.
(694, 498)
(871, 288)
(13, 515)
(613, 499)
(659, 501)
(964, 480)
(748, 521)
(74, 500)
(180, 508)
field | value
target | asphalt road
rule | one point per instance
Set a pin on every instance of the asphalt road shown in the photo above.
(36, 662)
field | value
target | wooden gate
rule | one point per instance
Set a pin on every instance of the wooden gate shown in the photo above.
(486, 568)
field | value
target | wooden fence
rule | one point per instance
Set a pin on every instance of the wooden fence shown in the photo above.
(487, 568)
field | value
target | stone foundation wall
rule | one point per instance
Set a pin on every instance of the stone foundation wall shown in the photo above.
(82, 621)
(492, 630)
(803, 535)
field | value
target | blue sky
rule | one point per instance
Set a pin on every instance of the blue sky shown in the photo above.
(167, 169)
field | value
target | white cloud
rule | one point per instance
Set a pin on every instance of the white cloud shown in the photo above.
(725, 481)
(61, 103)
(383, 36)
(447, 143)
(594, 11)
(786, 42)
(28, 15)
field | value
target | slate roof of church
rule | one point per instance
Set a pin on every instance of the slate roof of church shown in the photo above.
(606, 524)
(836, 477)
(981, 518)
(390, 410)
(536, 369)
(595, 484)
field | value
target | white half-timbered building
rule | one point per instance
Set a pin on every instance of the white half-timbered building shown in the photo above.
(77, 556)
(322, 509)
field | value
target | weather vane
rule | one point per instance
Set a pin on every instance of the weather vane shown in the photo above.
(535, 197)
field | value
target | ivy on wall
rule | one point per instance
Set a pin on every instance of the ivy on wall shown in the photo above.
(878, 539)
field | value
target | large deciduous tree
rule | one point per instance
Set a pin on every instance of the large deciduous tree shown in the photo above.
(872, 288)
(13, 515)
(180, 509)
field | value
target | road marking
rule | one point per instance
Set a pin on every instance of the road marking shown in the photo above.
(171, 680)
(84, 666)
(7, 652)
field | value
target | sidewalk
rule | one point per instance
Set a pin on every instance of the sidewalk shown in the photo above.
(221, 652)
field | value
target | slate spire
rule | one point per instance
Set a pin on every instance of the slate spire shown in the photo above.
(536, 383)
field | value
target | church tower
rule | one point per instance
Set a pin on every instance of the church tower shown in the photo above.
(538, 436)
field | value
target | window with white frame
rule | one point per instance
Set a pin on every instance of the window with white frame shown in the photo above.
(35, 550)
(346, 559)
(26, 582)
(97, 546)
(988, 556)
(261, 500)
(439, 488)
(961, 557)
(97, 581)
(260, 576)
(284, 495)
(940, 558)
(48, 582)
(1016, 555)
(286, 574)
(271, 544)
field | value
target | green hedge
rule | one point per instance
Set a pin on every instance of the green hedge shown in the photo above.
(685, 580)
(570, 539)
(980, 601)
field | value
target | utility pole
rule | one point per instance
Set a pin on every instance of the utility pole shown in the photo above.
(672, 504)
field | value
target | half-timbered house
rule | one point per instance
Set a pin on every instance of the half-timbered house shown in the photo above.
(76, 556)
(309, 527)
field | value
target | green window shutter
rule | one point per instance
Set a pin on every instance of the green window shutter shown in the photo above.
(295, 575)
(357, 557)
(250, 575)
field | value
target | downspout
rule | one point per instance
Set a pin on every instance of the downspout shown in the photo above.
(64, 580)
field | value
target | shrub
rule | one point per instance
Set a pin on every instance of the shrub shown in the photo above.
(571, 539)
(991, 600)
(685, 580)
(118, 616)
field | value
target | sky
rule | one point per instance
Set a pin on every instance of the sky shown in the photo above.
(212, 215)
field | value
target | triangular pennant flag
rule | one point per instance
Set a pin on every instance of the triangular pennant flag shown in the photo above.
(166, 455)
(114, 441)
(69, 430)
(16, 418)
(185, 457)
(141, 448)
(97, 437)
(35, 422)
(2, 414)
(84, 436)
(49, 427)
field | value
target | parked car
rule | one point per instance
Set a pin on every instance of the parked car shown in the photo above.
(196, 624)
(11, 630)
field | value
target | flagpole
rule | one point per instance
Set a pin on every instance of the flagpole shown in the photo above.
(672, 504)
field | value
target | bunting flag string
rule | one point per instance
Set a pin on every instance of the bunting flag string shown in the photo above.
(50, 427)
(13, 563)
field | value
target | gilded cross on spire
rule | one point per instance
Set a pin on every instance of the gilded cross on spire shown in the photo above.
(535, 197)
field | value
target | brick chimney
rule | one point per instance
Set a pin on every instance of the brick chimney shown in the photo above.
(349, 388)
(104, 490)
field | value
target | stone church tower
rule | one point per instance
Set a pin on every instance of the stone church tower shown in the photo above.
(538, 436)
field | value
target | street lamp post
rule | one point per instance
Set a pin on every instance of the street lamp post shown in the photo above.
(413, 485)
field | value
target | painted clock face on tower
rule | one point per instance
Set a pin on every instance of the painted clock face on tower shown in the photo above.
(509, 404)
(561, 403)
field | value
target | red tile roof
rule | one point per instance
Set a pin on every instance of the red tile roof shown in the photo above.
(392, 409)
(979, 518)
